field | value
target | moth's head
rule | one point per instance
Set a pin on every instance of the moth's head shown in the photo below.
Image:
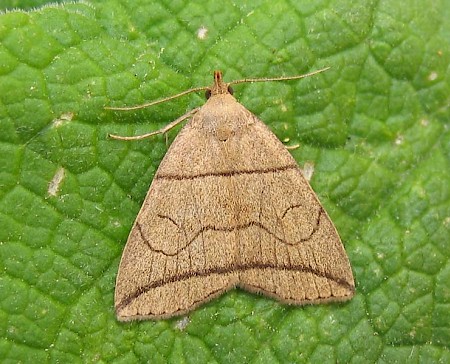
(219, 87)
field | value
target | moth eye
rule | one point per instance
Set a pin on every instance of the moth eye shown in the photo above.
(208, 94)
(230, 90)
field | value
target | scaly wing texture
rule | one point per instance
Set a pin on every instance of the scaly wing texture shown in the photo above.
(228, 206)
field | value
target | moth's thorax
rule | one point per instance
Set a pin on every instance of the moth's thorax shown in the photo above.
(223, 117)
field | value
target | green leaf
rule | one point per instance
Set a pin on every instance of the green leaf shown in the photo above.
(375, 127)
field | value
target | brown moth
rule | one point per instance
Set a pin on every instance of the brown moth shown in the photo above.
(228, 207)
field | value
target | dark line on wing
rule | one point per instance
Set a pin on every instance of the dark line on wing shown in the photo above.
(290, 208)
(168, 218)
(141, 233)
(180, 177)
(226, 270)
(227, 229)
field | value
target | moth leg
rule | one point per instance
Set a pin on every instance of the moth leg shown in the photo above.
(163, 130)
(292, 147)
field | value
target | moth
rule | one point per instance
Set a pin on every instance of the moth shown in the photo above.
(227, 207)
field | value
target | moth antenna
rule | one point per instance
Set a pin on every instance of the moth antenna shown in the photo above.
(284, 78)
